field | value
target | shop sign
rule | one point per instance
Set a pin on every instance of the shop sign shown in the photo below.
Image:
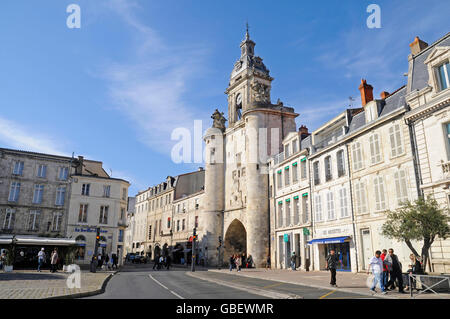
(88, 230)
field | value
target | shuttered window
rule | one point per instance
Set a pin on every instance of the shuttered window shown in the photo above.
(375, 153)
(395, 137)
(380, 199)
(401, 188)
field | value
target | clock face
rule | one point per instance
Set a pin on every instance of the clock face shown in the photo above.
(239, 100)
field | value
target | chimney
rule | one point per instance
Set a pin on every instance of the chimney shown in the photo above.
(384, 94)
(79, 168)
(417, 46)
(366, 92)
(200, 169)
(303, 131)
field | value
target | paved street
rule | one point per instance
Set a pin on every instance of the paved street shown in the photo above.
(141, 282)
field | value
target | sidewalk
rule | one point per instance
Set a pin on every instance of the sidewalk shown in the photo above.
(28, 284)
(348, 282)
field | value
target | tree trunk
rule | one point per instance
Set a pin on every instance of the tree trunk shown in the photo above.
(410, 246)
(426, 255)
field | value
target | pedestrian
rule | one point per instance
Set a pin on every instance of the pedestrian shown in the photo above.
(168, 262)
(238, 262)
(41, 259)
(156, 262)
(2, 259)
(182, 261)
(268, 262)
(100, 261)
(331, 263)
(232, 262)
(54, 260)
(376, 264)
(250, 261)
(385, 274)
(415, 268)
(395, 268)
(161, 262)
(114, 261)
(243, 261)
(293, 257)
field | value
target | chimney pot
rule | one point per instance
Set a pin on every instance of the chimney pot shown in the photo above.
(417, 46)
(366, 92)
(384, 94)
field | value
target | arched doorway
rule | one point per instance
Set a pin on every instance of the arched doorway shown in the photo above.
(235, 239)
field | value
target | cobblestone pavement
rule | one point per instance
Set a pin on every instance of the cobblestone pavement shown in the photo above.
(39, 285)
(346, 281)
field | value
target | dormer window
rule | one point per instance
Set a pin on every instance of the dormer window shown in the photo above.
(238, 106)
(443, 75)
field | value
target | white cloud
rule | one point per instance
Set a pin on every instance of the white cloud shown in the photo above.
(151, 90)
(16, 136)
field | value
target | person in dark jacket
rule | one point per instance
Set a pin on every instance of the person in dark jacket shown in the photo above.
(331, 265)
(395, 270)
(415, 269)
(168, 262)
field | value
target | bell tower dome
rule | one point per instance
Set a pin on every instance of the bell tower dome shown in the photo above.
(249, 84)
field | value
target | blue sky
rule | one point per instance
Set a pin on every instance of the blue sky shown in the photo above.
(115, 89)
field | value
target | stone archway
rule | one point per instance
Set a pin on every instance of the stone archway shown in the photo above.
(235, 240)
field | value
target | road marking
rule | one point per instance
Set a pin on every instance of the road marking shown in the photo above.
(327, 294)
(274, 285)
(171, 291)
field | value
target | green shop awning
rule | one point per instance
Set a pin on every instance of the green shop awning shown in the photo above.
(294, 164)
(280, 202)
(279, 172)
(287, 167)
(304, 194)
(303, 159)
(296, 197)
(288, 200)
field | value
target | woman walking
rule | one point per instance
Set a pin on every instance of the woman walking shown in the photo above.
(54, 260)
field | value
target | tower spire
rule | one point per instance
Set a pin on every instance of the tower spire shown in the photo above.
(247, 35)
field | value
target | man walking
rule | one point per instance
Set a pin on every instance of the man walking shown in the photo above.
(385, 273)
(395, 268)
(377, 268)
(331, 263)
(41, 259)
(54, 260)
(168, 262)
(156, 262)
(293, 257)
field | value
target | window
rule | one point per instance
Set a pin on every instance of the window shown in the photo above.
(328, 174)
(444, 76)
(106, 190)
(56, 221)
(183, 226)
(375, 154)
(196, 221)
(103, 215)
(401, 186)
(18, 168)
(196, 203)
(294, 146)
(343, 197)
(280, 214)
(286, 151)
(318, 205)
(380, 201)
(448, 135)
(85, 189)
(63, 173)
(286, 176)
(316, 173)
(8, 221)
(14, 192)
(296, 210)
(330, 206)
(178, 225)
(294, 172)
(33, 220)
(305, 208)
(303, 168)
(360, 192)
(42, 171)
(149, 232)
(396, 140)
(288, 213)
(340, 163)
(357, 156)
(279, 180)
(124, 193)
(122, 213)
(82, 215)
(120, 239)
(38, 194)
(60, 195)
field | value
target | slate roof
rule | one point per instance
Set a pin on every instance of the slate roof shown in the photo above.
(190, 183)
(420, 72)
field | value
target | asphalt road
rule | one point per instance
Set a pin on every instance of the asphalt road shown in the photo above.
(141, 282)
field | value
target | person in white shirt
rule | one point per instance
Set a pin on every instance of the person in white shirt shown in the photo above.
(41, 258)
(376, 264)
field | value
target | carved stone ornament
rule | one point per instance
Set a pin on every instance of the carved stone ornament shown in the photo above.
(219, 120)
(261, 92)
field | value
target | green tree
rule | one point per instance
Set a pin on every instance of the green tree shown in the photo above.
(421, 220)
